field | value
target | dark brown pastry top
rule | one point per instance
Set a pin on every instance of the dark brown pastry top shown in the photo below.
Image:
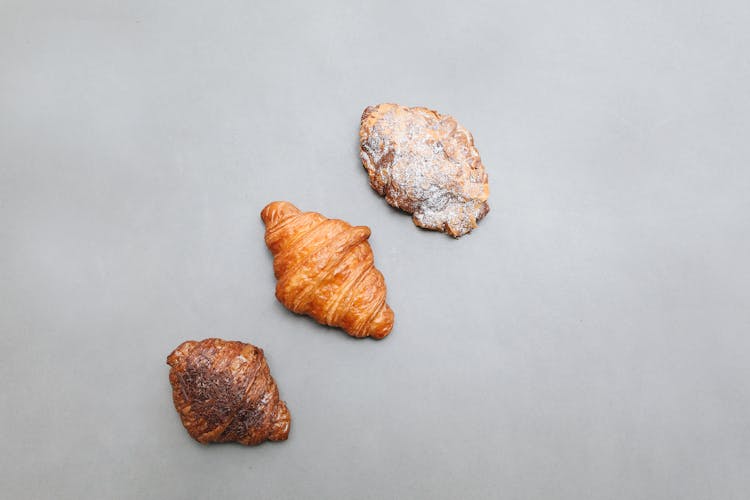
(223, 391)
(426, 164)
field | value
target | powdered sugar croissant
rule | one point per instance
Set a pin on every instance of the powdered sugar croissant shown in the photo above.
(325, 270)
(426, 164)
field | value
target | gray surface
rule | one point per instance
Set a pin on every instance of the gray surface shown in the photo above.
(588, 341)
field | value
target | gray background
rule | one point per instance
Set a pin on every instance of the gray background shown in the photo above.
(588, 341)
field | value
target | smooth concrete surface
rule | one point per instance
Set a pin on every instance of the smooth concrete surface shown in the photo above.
(589, 341)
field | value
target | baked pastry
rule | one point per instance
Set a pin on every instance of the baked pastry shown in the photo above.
(325, 270)
(425, 164)
(224, 392)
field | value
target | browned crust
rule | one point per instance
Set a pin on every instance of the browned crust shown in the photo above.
(325, 269)
(223, 391)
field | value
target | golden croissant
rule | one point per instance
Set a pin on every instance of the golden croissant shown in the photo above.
(325, 270)
(224, 392)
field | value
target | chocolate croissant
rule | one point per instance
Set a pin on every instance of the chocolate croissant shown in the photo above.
(325, 270)
(224, 392)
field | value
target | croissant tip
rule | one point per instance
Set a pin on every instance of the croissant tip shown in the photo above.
(281, 423)
(179, 351)
(383, 323)
(380, 336)
(277, 210)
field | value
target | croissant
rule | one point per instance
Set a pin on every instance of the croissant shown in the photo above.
(426, 164)
(224, 392)
(325, 270)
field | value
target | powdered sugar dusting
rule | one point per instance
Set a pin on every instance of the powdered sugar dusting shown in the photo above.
(426, 164)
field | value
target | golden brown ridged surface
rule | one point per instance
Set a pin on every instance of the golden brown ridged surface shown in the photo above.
(325, 270)
(223, 391)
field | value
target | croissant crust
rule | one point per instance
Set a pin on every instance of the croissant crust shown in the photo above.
(425, 163)
(325, 269)
(223, 391)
